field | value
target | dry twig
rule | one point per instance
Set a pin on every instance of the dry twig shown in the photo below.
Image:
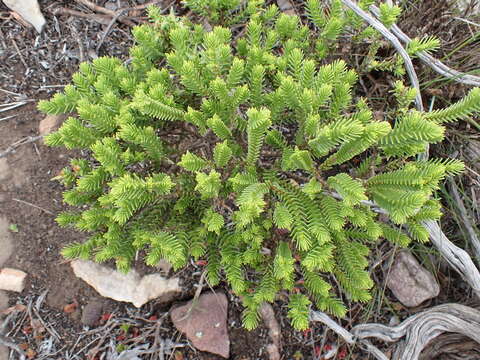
(101, 19)
(395, 42)
(433, 63)
(25, 140)
(22, 59)
(5, 341)
(346, 335)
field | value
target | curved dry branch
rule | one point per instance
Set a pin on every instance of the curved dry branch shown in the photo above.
(395, 42)
(346, 335)
(455, 256)
(418, 330)
(429, 60)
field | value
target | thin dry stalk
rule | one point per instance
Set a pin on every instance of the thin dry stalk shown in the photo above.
(101, 19)
(25, 140)
(466, 220)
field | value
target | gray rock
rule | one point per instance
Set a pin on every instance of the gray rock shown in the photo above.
(130, 287)
(92, 312)
(410, 282)
(205, 324)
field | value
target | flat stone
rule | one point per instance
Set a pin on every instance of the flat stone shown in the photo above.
(92, 312)
(50, 123)
(130, 287)
(410, 282)
(12, 279)
(29, 11)
(6, 243)
(205, 324)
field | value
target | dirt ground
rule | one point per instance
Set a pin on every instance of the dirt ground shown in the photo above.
(33, 67)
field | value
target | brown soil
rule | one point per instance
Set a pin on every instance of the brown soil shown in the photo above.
(30, 199)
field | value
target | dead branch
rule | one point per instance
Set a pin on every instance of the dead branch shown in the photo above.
(430, 61)
(25, 140)
(395, 42)
(95, 7)
(456, 257)
(419, 329)
(452, 346)
(101, 19)
(346, 335)
(414, 333)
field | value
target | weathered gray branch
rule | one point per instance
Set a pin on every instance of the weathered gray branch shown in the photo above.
(346, 335)
(456, 257)
(414, 333)
(429, 60)
(395, 42)
(419, 329)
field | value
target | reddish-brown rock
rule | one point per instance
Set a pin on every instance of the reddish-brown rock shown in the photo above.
(205, 325)
(410, 282)
(92, 312)
(50, 123)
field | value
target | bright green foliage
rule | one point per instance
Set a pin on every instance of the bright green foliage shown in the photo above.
(251, 153)
(427, 44)
(461, 110)
(389, 14)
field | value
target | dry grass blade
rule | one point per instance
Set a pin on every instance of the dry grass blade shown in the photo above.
(466, 220)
